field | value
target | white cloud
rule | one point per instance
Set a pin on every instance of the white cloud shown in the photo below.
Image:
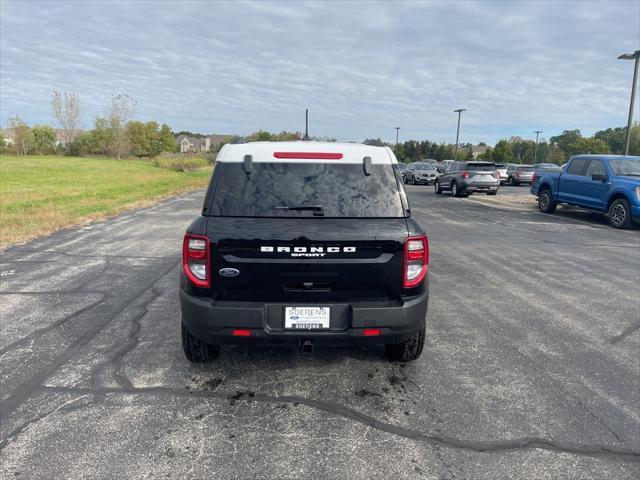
(362, 68)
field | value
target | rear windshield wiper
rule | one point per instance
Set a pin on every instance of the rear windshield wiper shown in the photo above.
(316, 209)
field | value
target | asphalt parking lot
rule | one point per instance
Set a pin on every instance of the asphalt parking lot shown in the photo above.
(530, 370)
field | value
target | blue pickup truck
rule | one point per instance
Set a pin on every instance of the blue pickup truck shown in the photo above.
(605, 183)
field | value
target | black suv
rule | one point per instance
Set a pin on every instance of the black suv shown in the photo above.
(305, 243)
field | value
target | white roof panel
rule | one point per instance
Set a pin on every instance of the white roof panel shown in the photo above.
(298, 152)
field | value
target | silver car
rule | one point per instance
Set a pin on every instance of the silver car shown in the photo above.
(502, 170)
(517, 174)
(464, 178)
(420, 173)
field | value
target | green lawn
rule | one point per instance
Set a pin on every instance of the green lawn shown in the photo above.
(41, 194)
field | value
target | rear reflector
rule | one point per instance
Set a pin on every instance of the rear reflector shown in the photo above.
(308, 155)
(241, 333)
(371, 332)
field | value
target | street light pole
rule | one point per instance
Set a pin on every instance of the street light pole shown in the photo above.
(535, 151)
(397, 133)
(631, 56)
(455, 152)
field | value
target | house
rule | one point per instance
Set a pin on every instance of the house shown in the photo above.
(8, 136)
(188, 144)
(61, 140)
(477, 150)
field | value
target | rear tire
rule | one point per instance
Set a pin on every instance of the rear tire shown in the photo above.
(196, 350)
(492, 193)
(546, 204)
(437, 188)
(408, 350)
(620, 213)
(455, 191)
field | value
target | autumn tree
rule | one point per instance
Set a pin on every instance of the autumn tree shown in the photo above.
(23, 137)
(66, 112)
(118, 114)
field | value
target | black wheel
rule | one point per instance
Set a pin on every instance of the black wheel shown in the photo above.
(620, 213)
(196, 350)
(436, 187)
(408, 350)
(492, 193)
(455, 191)
(515, 183)
(546, 204)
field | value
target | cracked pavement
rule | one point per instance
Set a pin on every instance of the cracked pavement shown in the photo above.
(530, 369)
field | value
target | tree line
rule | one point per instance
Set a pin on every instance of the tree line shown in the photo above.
(116, 134)
(556, 150)
(560, 147)
(113, 134)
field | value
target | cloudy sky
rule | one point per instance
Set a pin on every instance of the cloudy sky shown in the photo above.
(362, 68)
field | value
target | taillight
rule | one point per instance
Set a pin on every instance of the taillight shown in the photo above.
(195, 259)
(465, 174)
(533, 178)
(497, 174)
(416, 261)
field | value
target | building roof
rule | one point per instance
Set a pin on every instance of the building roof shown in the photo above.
(196, 141)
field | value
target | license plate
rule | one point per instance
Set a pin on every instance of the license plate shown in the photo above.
(306, 318)
(484, 178)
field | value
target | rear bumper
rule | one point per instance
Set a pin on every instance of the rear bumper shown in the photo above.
(214, 322)
(470, 188)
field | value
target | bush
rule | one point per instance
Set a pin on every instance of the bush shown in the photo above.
(180, 162)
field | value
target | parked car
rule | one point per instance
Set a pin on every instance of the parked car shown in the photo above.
(517, 174)
(605, 183)
(402, 167)
(464, 178)
(543, 165)
(304, 243)
(421, 173)
(502, 170)
(441, 166)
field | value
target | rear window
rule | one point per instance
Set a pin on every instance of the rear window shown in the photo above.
(424, 167)
(627, 166)
(480, 166)
(342, 191)
(526, 169)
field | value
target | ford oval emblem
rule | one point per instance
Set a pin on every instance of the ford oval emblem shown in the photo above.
(229, 272)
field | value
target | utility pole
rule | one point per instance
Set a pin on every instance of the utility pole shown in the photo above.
(535, 151)
(397, 134)
(306, 124)
(631, 56)
(455, 152)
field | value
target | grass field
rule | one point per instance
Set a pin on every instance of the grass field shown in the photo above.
(42, 194)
